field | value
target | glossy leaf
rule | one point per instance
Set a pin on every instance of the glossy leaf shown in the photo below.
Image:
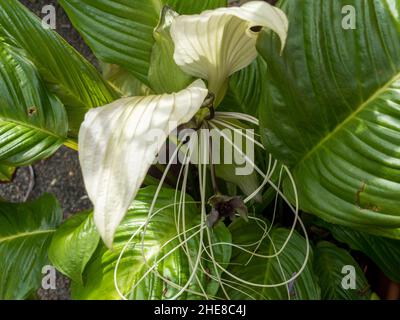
(67, 73)
(123, 81)
(384, 252)
(237, 172)
(269, 270)
(334, 267)
(121, 31)
(246, 89)
(162, 64)
(6, 173)
(158, 240)
(333, 110)
(25, 235)
(73, 245)
(33, 122)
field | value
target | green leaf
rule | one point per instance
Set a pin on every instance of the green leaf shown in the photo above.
(25, 235)
(73, 245)
(329, 264)
(333, 110)
(159, 238)
(269, 270)
(384, 252)
(33, 122)
(162, 64)
(121, 32)
(123, 81)
(246, 89)
(235, 171)
(6, 173)
(68, 74)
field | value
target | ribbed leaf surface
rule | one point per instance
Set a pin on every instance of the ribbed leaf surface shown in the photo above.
(333, 110)
(335, 267)
(25, 235)
(269, 271)
(67, 73)
(384, 252)
(33, 122)
(121, 31)
(137, 276)
(73, 245)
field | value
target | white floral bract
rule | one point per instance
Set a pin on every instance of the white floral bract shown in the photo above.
(218, 43)
(116, 151)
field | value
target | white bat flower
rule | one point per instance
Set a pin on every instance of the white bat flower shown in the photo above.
(118, 142)
(215, 44)
(116, 148)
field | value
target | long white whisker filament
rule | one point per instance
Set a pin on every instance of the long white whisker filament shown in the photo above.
(276, 199)
(280, 265)
(298, 274)
(267, 180)
(155, 264)
(237, 116)
(141, 226)
(295, 210)
(155, 197)
(270, 171)
(235, 125)
(204, 153)
(147, 220)
(183, 245)
(193, 266)
(184, 171)
(238, 131)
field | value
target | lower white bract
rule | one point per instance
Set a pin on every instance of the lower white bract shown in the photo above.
(116, 152)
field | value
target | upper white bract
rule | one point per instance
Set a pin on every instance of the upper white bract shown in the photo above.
(218, 43)
(116, 148)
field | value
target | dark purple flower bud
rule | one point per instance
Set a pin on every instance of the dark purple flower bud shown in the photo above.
(225, 207)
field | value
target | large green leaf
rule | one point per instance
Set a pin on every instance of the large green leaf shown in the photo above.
(25, 235)
(269, 270)
(33, 122)
(329, 266)
(384, 252)
(162, 64)
(333, 110)
(73, 245)
(246, 87)
(123, 81)
(158, 240)
(69, 75)
(121, 31)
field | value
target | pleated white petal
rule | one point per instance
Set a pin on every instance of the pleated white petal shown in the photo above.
(116, 148)
(218, 43)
